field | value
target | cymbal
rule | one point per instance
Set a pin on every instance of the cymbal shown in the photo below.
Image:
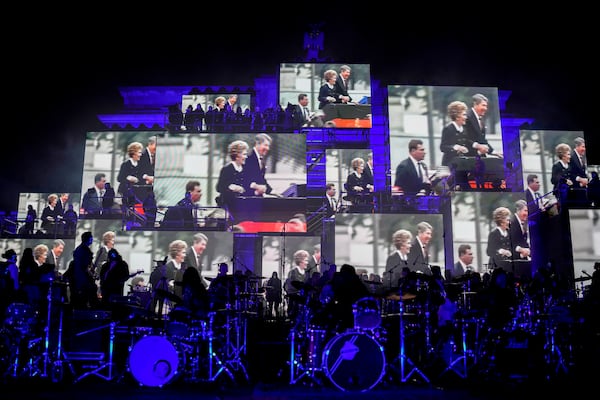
(227, 311)
(247, 294)
(452, 284)
(583, 278)
(397, 297)
(165, 294)
(296, 296)
(302, 285)
(462, 278)
(408, 296)
(398, 314)
(210, 279)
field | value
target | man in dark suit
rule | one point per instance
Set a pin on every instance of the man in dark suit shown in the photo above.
(301, 114)
(411, 174)
(368, 171)
(314, 262)
(148, 160)
(578, 164)
(182, 214)
(418, 257)
(255, 167)
(537, 219)
(464, 263)
(63, 204)
(193, 255)
(342, 84)
(475, 127)
(534, 199)
(331, 201)
(578, 167)
(231, 105)
(518, 231)
(92, 199)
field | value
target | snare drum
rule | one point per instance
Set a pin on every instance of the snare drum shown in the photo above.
(354, 361)
(155, 361)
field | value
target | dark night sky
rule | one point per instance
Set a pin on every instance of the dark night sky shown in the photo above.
(65, 71)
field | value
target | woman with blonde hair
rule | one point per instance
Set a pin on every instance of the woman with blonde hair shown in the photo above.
(131, 182)
(498, 246)
(562, 176)
(231, 183)
(51, 218)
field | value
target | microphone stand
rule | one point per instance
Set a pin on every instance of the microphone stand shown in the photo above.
(282, 261)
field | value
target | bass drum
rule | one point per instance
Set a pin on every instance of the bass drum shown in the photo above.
(354, 361)
(155, 361)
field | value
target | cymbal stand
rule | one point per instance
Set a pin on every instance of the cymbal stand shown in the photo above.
(552, 352)
(463, 357)
(234, 351)
(402, 357)
(212, 356)
(47, 330)
(57, 367)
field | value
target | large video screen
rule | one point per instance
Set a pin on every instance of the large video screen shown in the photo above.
(365, 241)
(278, 253)
(20, 244)
(118, 173)
(335, 95)
(205, 157)
(341, 166)
(196, 109)
(440, 127)
(551, 240)
(538, 155)
(53, 214)
(473, 221)
(142, 249)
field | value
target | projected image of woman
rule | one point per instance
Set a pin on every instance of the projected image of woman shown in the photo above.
(231, 183)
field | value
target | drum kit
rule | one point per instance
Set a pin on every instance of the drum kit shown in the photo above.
(404, 333)
(191, 347)
(128, 339)
(393, 331)
(353, 360)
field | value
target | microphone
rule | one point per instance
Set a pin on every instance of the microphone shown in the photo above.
(585, 272)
